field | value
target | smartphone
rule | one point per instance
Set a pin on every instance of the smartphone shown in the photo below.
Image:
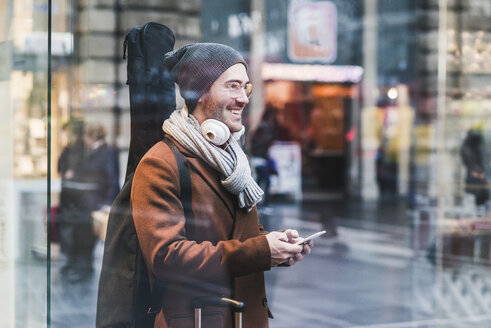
(315, 235)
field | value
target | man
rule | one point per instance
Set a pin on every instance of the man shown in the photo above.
(264, 165)
(473, 154)
(226, 250)
(90, 172)
(69, 212)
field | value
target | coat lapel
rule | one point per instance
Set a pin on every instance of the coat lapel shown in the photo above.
(212, 178)
(241, 222)
(208, 174)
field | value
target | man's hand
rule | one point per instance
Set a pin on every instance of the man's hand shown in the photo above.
(293, 238)
(283, 248)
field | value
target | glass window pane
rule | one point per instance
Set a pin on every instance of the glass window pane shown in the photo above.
(24, 169)
(368, 119)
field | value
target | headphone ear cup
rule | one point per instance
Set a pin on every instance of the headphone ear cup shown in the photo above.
(215, 131)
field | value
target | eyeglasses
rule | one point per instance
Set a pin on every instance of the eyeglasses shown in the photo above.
(235, 88)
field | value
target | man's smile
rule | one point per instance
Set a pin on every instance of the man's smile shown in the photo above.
(235, 110)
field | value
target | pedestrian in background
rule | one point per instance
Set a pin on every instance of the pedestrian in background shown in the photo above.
(264, 165)
(70, 167)
(472, 153)
(90, 173)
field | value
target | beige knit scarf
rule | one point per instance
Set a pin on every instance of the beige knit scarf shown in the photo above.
(230, 161)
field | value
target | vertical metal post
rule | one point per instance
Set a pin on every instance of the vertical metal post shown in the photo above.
(368, 142)
(440, 136)
(370, 43)
(256, 104)
(48, 177)
(197, 318)
(238, 319)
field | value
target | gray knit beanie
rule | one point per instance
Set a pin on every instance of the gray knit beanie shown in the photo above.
(196, 66)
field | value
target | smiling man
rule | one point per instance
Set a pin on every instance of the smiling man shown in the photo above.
(223, 250)
(226, 99)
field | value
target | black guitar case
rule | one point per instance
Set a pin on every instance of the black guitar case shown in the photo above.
(124, 291)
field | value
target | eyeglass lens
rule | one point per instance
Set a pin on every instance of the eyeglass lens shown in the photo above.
(236, 88)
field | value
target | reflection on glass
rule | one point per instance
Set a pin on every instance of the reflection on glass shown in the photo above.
(345, 135)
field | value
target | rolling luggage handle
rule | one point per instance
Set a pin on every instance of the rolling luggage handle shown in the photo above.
(201, 302)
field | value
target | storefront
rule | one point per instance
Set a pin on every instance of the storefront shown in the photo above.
(317, 107)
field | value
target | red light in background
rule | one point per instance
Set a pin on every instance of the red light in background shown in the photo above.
(351, 135)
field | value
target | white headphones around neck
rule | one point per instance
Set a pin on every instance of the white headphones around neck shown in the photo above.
(217, 132)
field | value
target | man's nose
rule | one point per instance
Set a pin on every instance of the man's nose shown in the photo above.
(242, 97)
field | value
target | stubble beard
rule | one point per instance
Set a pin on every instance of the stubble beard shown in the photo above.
(219, 111)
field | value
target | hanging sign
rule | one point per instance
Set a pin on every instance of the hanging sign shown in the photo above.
(312, 32)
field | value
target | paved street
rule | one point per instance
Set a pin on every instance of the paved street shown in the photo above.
(369, 275)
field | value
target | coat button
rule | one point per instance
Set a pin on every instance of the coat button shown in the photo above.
(265, 302)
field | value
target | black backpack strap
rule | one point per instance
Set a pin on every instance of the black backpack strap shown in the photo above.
(186, 197)
(184, 180)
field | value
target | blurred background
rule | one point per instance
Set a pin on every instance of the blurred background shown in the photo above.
(369, 118)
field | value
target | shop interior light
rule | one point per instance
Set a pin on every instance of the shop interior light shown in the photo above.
(318, 73)
(392, 93)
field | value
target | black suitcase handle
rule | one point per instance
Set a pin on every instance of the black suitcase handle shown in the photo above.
(204, 301)
(201, 302)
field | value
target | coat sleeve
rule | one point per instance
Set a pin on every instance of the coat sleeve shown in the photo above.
(262, 231)
(160, 225)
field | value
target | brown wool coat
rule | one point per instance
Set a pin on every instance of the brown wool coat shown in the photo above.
(224, 252)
